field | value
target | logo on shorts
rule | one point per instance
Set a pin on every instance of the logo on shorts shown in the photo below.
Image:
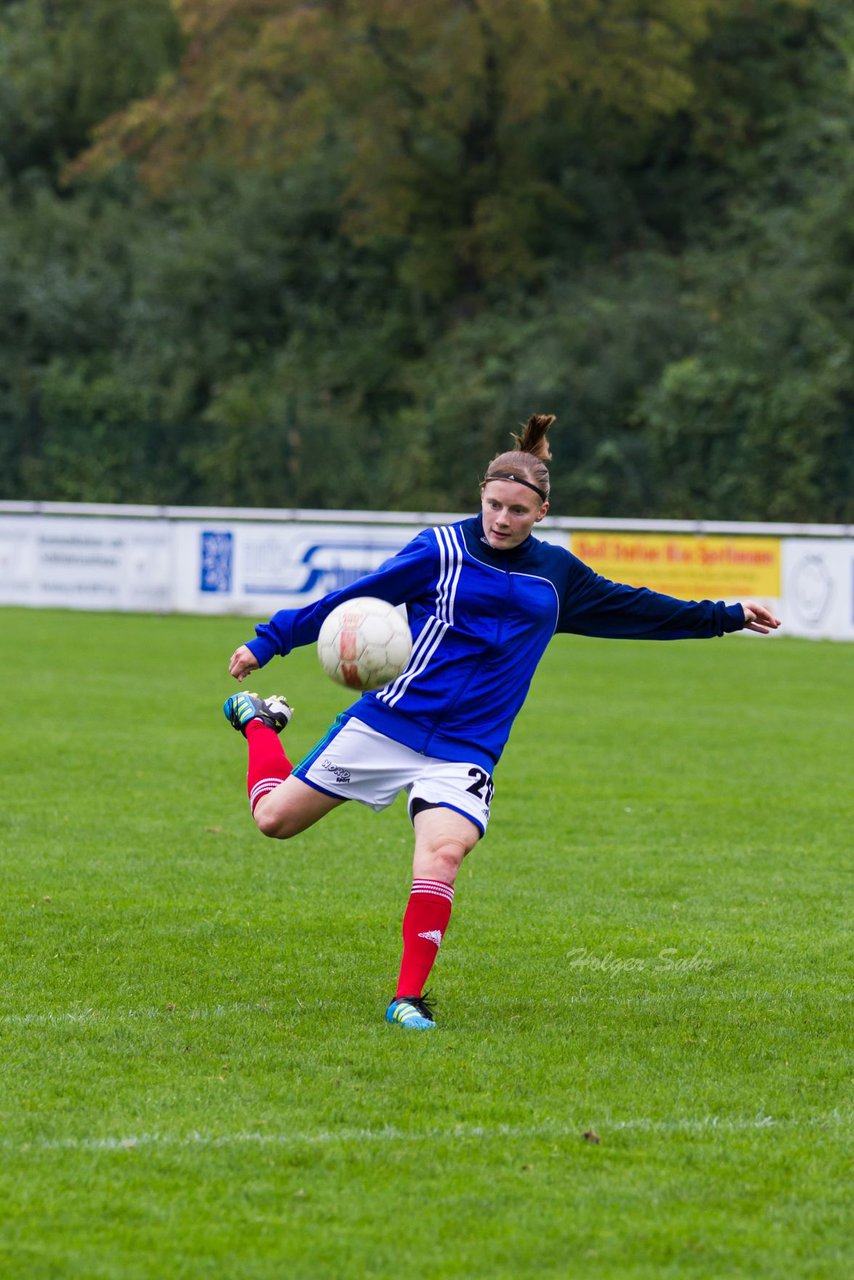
(341, 775)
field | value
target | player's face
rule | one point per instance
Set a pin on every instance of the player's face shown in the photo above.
(510, 511)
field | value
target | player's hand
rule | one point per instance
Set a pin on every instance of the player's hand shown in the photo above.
(241, 662)
(758, 618)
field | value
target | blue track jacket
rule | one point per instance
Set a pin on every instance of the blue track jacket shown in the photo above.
(481, 620)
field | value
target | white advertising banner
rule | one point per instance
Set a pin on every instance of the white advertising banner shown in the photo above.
(256, 569)
(79, 563)
(818, 588)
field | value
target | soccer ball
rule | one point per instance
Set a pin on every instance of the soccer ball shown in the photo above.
(364, 643)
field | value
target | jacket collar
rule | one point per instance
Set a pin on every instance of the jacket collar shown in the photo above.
(491, 554)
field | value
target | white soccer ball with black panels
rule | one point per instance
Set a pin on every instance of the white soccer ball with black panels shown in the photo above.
(364, 643)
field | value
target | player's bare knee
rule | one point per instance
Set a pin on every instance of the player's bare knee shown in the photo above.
(273, 824)
(446, 860)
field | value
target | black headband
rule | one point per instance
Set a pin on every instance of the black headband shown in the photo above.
(509, 475)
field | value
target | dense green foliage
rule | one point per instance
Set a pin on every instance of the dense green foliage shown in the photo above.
(650, 943)
(331, 254)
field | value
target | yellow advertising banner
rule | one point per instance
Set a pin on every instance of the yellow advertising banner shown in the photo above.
(690, 566)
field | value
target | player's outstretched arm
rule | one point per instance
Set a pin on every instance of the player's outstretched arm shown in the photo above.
(241, 662)
(758, 618)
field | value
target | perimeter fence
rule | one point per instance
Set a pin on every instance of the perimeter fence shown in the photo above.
(250, 561)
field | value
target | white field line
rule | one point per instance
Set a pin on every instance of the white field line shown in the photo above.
(499, 1133)
(81, 1017)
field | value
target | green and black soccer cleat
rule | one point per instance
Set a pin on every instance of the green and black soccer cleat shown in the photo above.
(240, 708)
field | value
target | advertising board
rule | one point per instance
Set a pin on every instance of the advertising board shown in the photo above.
(243, 567)
(692, 567)
(818, 588)
(79, 563)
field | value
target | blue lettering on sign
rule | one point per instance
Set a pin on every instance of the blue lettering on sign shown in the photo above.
(334, 576)
(325, 567)
(217, 560)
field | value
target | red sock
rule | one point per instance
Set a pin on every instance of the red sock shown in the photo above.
(268, 764)
(424, 923)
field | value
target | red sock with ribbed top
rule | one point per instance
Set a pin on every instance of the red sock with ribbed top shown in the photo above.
(268, 764)
(424, 923)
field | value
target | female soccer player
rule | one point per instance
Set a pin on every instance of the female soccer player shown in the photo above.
(483, 598)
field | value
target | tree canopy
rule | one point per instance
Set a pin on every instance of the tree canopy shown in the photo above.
(331, 253)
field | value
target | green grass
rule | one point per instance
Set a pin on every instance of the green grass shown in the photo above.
(196, 1080)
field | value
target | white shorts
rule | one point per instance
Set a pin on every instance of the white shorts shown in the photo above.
(356, 762)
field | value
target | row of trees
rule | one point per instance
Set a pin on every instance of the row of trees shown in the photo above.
(331, 253)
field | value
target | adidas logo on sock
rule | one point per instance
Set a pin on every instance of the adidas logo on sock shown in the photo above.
(432, 935)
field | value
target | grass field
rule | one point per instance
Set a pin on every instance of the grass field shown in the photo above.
(196, 1077)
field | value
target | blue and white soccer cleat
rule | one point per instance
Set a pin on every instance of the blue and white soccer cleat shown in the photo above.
(240, 708)
(412, 1012)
